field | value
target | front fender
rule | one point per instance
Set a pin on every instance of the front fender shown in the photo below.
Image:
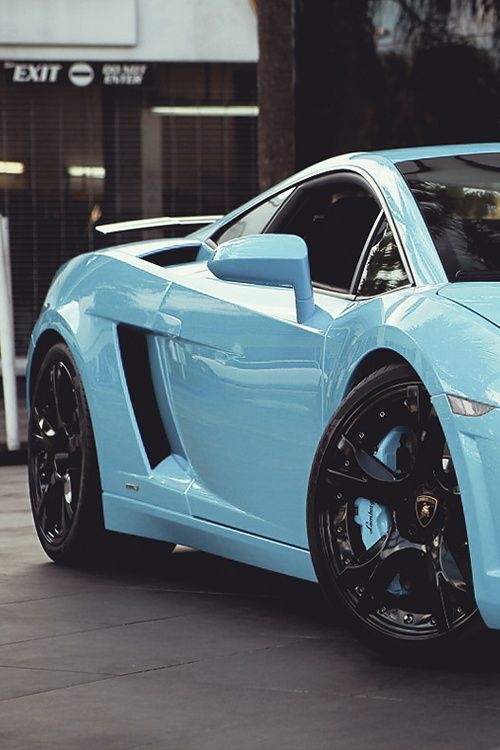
(453, 351)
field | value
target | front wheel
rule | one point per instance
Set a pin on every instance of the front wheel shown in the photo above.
(385, 521)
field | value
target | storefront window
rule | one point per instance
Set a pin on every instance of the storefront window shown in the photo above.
(84, 144)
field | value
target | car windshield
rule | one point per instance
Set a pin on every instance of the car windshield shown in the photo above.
(459, 197)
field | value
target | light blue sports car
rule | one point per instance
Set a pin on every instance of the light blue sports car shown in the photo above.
(310, 384)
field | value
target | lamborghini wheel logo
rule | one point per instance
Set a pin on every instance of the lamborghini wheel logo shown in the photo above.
(425, 507)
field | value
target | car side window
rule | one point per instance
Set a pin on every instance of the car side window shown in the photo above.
(384, 269)
(335, 217)
(254, 221)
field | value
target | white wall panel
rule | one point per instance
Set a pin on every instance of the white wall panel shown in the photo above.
(166, 30)
(68, 22)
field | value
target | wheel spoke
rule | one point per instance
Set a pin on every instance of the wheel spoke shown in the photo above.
(68, 510)
(375, 587)
(66, 514)
(427, 432)
(74, 443)
(385, 493)
(430, 450)
(70, 482)
(369, 465)
(440, 603)
(365, 475)
(371, 578)
(45, 509)
(443, 611)
(347, 482)
(454, 540)
(413, 402)
(419, 404)
(41, 509)
(61, 462)
(54, 377)
(43, 435)
(42, 442)
(74, 475)
(43, 424)
(63, 400)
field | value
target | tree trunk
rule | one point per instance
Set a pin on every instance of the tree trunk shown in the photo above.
(338, 79)
(275, 77)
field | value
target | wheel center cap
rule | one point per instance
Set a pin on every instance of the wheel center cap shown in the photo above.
(425, 509)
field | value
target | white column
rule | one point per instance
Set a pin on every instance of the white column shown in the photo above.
(7, 348)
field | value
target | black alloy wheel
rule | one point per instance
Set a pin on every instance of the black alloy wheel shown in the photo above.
(63, 475)
(385, 520)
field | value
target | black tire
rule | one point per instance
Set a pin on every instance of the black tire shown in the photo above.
(61, 457)
(385, 521)
(64, 483)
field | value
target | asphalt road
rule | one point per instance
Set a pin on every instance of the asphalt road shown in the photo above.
(204, 654)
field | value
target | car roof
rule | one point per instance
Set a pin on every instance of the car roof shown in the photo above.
(427, 152)
(369, 161)
(394, 156)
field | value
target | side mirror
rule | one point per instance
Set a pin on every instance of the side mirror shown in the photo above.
(270, 260)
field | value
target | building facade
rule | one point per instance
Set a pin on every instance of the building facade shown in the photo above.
(118, 109)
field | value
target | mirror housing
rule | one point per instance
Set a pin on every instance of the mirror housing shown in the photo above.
(269, 260)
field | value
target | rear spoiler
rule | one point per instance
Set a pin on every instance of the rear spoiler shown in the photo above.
(160, 221)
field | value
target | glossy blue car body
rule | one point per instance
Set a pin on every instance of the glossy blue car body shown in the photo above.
(245, 391)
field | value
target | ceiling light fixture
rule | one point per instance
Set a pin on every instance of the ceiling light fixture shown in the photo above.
(207, 110)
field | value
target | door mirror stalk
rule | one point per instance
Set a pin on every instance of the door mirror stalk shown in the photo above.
(268, 260)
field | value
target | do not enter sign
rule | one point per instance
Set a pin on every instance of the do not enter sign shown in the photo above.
(81, 74)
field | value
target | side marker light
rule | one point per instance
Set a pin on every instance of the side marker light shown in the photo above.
(467, 408)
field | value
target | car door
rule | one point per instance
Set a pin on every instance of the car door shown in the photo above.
(247, 386)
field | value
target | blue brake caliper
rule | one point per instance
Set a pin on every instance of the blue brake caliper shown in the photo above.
(375, 519)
